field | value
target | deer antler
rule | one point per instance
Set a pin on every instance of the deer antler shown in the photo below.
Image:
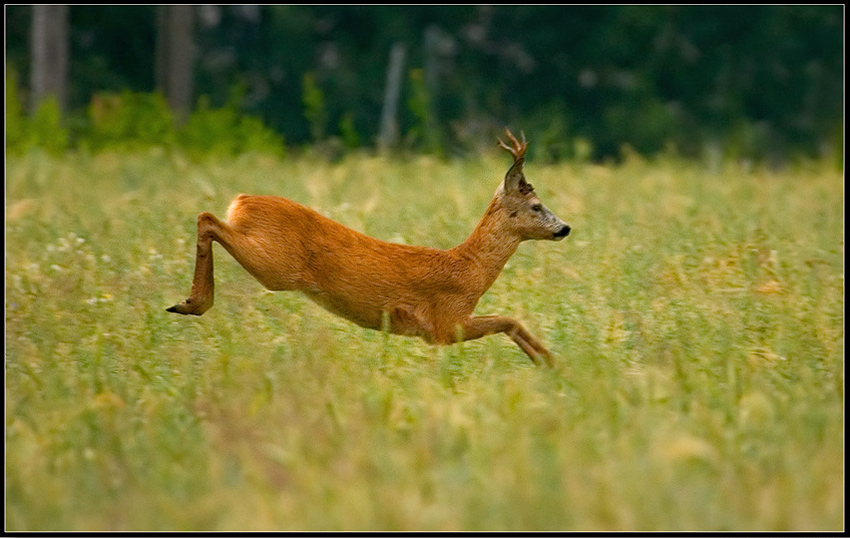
(518, 149)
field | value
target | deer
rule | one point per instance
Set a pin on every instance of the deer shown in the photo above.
(406, 290)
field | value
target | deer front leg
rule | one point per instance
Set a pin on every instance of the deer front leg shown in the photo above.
(201, 297)
(479, 326)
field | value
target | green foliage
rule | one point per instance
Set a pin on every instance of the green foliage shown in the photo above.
(226, 132)
(129, 120)
(758, 81)
(15, 121)
(46, 129)
(697, 316)
(425, 131)
(552, 136)
(348, 131)
(647, 125)
(314, 107)
(43, 130)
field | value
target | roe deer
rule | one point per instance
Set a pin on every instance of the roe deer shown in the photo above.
(408, 290)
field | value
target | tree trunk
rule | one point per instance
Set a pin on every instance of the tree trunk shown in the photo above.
(49, 39)
(388, 135)
(175, 54)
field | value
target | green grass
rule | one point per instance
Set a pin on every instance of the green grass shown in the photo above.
(697, 315)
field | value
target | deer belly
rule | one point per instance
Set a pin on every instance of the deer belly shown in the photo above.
(362, 314)
(393, 318)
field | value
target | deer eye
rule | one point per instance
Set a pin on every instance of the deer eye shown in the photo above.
(537, 208)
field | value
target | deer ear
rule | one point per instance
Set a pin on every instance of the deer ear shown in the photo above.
(515, 179)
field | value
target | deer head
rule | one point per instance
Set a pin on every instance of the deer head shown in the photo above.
(528, 216)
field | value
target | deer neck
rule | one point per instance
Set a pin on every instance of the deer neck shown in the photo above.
(490, 245)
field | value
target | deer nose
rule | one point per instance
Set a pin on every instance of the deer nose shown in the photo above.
(563, 232)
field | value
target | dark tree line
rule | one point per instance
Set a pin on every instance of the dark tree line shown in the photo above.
(758, 80)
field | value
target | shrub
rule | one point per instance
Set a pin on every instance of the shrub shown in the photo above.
(129, 120)
(315, 110)
(224, 131)
(44, 129)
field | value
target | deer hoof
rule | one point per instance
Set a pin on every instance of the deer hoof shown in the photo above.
(187, 308)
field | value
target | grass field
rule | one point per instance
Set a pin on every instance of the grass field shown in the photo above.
(697, 316)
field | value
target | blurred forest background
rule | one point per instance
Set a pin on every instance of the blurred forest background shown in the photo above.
(588, 82)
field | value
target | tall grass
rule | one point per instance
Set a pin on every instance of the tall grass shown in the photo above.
(697, 315)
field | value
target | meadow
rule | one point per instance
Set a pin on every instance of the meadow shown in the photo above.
(696, 314)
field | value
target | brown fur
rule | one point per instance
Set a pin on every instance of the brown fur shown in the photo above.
(409, 290)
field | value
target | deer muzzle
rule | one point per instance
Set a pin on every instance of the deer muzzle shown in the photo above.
(562, 232)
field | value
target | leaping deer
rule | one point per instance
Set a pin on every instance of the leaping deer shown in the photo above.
(408, 290)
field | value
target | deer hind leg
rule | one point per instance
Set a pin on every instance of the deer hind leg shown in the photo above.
(479, 326)
(201, 297)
